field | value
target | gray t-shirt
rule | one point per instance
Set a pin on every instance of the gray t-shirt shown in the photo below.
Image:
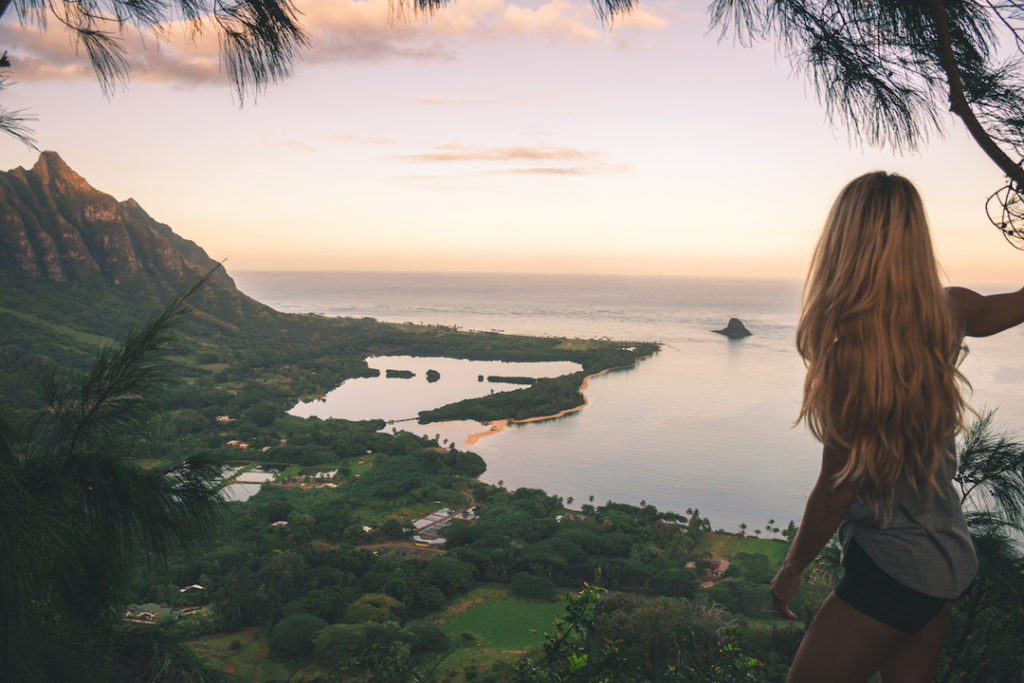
(925, 546)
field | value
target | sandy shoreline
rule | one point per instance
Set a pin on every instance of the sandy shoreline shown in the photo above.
(496, 426)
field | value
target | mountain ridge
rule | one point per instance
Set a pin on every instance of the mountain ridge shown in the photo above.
(54, 225)
(78, 269)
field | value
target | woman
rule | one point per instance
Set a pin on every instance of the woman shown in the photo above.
(881, 339)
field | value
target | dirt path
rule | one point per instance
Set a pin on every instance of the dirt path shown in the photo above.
(261, 654)
(464, 604)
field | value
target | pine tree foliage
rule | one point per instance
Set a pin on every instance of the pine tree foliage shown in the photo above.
(14, 122)
(78, 513)
(987, 624)
(888, 70)
(990, 475)
(259, 39)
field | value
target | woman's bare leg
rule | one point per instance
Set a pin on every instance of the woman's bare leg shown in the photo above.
(914, 659)
(842, 645)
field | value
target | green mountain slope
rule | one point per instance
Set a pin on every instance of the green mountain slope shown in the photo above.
(78, 267)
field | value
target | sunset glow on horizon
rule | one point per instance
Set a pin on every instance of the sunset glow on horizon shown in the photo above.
(496, 136)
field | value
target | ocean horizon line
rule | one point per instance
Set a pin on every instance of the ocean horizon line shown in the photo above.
(271, 272)
(638, 276)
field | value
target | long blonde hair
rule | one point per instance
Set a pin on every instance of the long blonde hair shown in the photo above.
(880, 342)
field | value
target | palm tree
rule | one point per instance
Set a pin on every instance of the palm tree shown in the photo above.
(77, 511)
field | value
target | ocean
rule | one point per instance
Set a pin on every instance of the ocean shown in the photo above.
(706, 423)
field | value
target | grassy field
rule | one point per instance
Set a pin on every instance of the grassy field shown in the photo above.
(720, 544)
(379, 510)
(772, 548)
(371, 509)
(76, 335)
(731, 544)
(490, 623)
(362, 465)
(248, 663)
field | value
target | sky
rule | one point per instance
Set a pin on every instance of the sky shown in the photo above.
(497, 136)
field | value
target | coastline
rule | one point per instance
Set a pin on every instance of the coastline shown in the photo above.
(497, 426)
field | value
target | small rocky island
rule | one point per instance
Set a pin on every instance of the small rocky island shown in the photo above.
(734, 330)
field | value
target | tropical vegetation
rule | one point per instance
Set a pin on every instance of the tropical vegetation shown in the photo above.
(79, 516)
(121, 561)
(108, 505)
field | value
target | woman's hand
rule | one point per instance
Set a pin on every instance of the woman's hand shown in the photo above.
(783, 588)
(826, 507)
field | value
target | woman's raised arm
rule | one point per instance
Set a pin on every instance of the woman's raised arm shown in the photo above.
(986, 315)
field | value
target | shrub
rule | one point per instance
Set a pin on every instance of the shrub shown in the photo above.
(427, 637)
(533, 587)
(293, 636)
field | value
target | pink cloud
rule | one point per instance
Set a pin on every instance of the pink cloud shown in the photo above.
(434, 99)
(293, 145)
(340, 30)
(445, 153)
(379, 140)
(561, 160)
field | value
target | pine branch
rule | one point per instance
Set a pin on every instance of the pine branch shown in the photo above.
(958, 100)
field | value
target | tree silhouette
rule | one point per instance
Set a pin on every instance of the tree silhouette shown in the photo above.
(78, 512)
(259, 40)
(990, 474)
(986, 628)
(888, 70)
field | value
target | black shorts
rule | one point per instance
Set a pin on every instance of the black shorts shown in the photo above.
(868, 589)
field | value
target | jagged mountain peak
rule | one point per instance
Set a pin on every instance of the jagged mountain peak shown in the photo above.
(52, 171)
(54, 225)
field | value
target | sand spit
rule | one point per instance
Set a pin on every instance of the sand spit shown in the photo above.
(496, 426)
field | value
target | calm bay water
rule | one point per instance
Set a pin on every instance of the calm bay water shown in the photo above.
(401, 399)
(705, 423)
